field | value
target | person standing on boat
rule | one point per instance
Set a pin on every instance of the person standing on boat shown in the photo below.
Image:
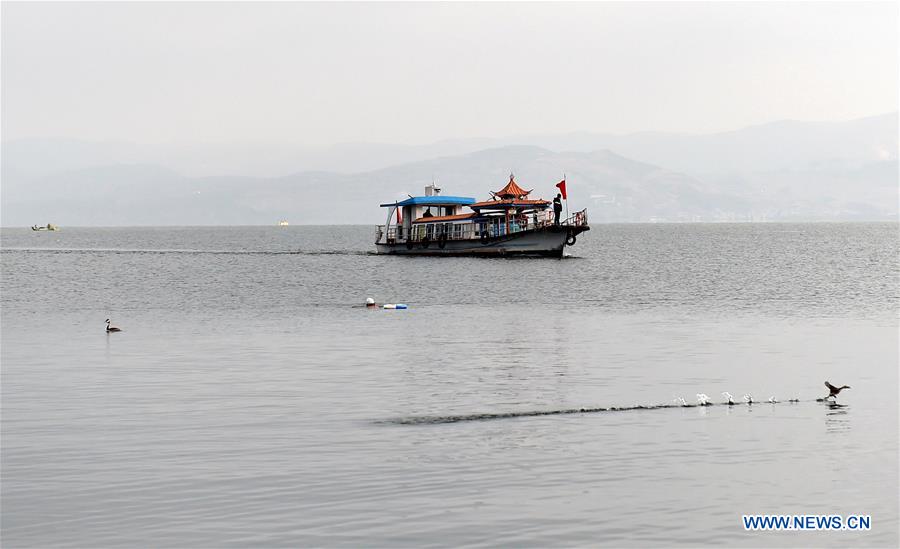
(557, 208)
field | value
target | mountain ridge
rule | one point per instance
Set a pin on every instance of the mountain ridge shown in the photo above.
(613, 187)
(32, 157)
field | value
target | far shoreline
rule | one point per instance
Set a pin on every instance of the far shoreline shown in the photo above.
(62, 227)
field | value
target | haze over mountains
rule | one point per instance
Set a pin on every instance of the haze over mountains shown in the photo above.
(779, 171)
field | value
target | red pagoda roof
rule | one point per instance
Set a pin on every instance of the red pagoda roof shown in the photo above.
(511, 190)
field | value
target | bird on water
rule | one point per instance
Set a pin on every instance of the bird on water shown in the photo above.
(111, 328)
(833, 391)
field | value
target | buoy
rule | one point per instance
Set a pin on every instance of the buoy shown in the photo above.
(394, 305)
(370, 302)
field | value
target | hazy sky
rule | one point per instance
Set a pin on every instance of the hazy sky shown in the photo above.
(308, 73)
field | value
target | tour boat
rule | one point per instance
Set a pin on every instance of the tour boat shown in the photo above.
(49, 227)
(509, 223)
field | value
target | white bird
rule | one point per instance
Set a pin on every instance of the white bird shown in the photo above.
(773, 400)
(111, 328)
(748, 399)
(702, 399)
(728, 396)
(680, 400)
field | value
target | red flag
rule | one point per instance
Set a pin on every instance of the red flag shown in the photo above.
(399, 221)
(562, 188)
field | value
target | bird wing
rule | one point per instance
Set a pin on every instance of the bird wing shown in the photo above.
(830, 386)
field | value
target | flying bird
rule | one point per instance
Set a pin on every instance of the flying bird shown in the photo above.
(111, 328)
(833, 391)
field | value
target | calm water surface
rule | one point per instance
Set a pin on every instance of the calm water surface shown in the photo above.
(251, 402)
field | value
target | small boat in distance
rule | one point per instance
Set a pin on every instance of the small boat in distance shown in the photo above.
(49, 227)
(283, 223)
(509, 223)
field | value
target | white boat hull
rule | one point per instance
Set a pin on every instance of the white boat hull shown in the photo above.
(547, 242)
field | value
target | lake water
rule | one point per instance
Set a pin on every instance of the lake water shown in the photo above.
(250, 401)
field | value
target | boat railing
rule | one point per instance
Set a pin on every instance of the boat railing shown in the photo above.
(578, 219)
(494, 227)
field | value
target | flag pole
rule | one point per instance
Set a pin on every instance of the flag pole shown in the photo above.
(567, 197)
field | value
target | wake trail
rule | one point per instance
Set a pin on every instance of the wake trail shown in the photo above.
(437, 420)
(186, 252)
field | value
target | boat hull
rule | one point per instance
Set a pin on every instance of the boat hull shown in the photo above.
(548, 242)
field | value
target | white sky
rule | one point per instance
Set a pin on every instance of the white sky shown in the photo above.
(308, 73)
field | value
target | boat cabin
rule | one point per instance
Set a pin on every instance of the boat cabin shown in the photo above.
(436, 217)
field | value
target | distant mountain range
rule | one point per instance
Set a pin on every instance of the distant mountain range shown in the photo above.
(779, 171)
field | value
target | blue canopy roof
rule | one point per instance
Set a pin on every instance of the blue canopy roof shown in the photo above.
(433, 201)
